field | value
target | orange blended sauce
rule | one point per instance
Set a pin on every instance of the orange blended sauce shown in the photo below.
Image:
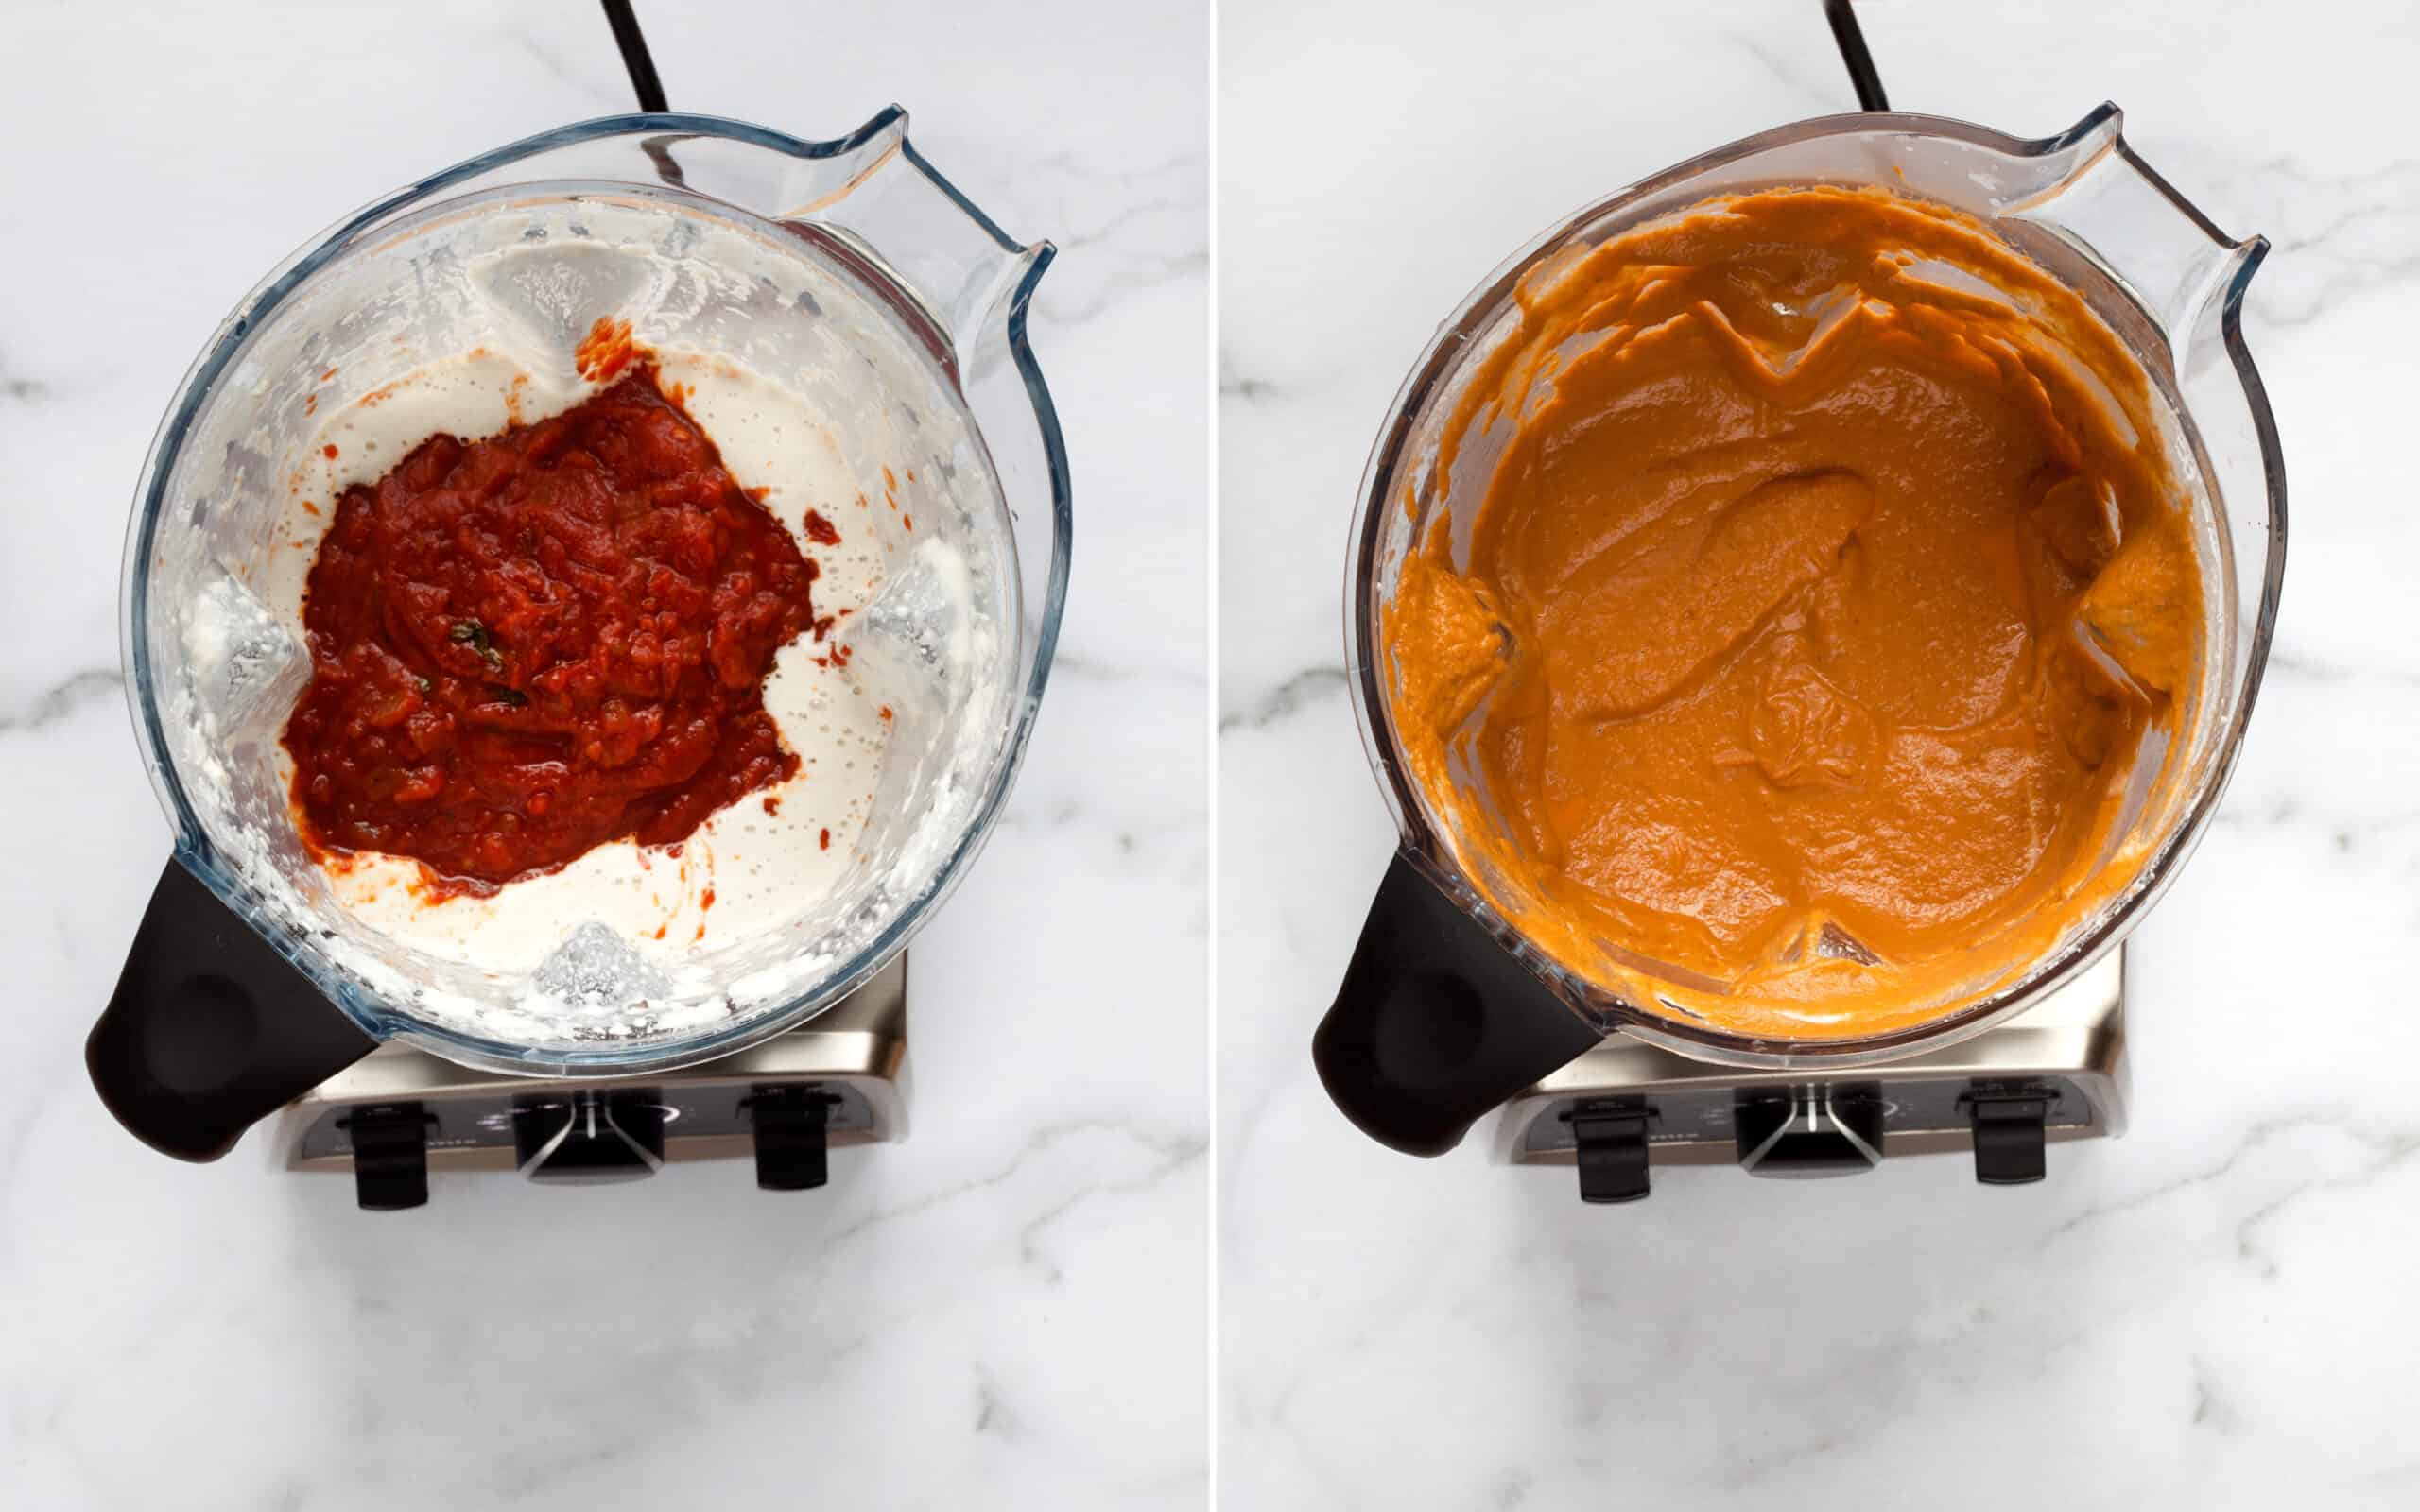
(1830, 586)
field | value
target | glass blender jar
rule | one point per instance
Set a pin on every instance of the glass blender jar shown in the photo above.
(850, 272)
(1447, 1009)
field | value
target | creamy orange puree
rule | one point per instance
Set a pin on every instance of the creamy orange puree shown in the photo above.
(1830, 585)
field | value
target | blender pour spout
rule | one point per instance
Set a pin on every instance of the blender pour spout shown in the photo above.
(2096, 192)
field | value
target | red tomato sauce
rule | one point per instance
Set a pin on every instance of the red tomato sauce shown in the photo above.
(527, 646)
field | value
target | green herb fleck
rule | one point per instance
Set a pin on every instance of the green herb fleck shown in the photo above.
(509, 698)
(426, 686)
(471, 633)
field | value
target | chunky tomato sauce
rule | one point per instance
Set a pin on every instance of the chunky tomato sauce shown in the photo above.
(527, 646)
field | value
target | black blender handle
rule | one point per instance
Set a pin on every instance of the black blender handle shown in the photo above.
(210, 1029)
(1436, 1024)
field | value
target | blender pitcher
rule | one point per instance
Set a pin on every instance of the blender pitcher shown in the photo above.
(851, 272)
(1446, 1009)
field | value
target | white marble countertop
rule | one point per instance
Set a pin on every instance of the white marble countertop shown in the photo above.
(1006, 1310)
(2215, 1311)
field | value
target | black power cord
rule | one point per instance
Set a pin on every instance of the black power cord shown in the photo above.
(1853, 52)
(628, 37)
(649, 87)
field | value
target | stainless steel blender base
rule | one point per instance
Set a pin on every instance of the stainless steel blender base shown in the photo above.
(2054, 1072)
(839, 1080)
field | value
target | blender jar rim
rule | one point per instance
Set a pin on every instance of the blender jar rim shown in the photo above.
(1422, 847)
(192, 846)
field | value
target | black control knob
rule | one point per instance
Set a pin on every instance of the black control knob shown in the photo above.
(589, 1137)
(1809, 1132)
(390, 1155)
(790, 1126)
(2009, 1127)
(1609, 1144)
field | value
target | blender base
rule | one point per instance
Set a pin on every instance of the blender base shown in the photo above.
(840, 1079)
(2054, 1072)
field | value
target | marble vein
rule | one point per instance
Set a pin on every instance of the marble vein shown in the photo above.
(1833, 94)
(2382, 1154)
(1095, 669)
(2253, 1139)
(2211, 1409)
(1038, 1141)
(61, 699)
(1136, 274)
(1120, 232)
(609, 98)
(2319, 219)
(1284, 701)
(1173, 1156)
(2298, 664)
